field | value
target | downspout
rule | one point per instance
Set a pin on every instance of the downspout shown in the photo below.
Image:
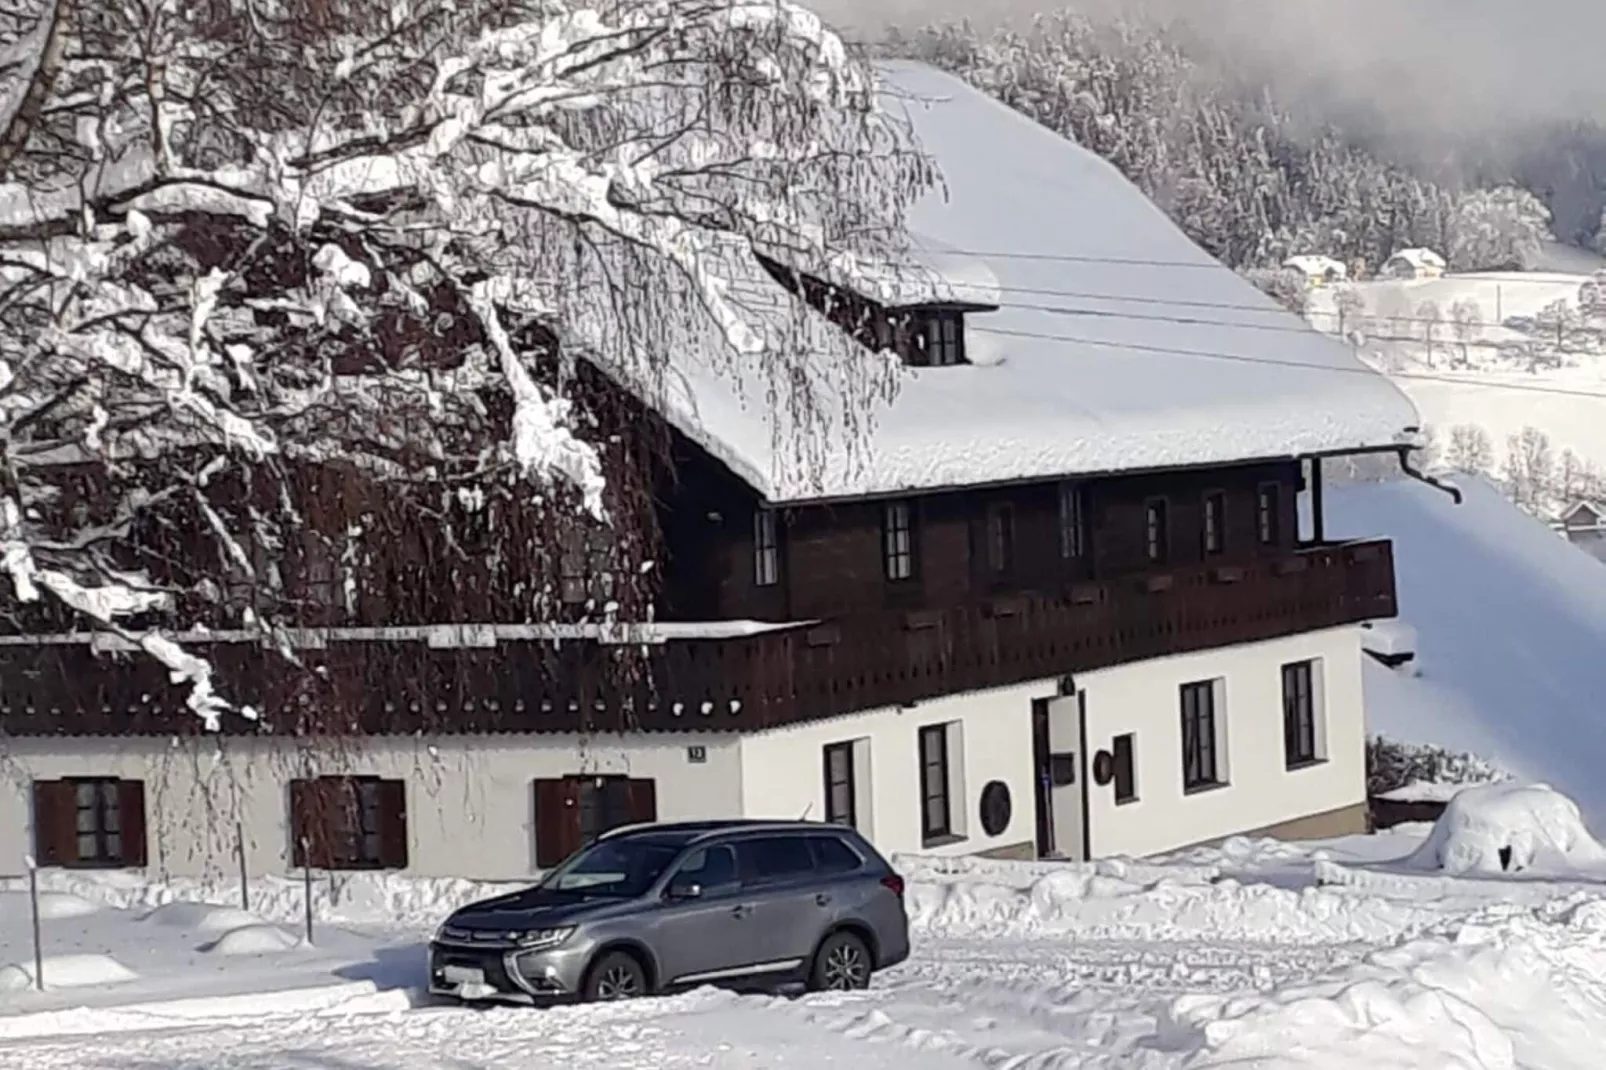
(1423, 477)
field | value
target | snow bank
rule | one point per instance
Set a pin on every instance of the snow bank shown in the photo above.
(1423, 791)
(1525, 992)
(202, 917)
(252, 940)
(1506, 827)
(1103, 901)
(371, 898)
(55, 906)
(66, 971)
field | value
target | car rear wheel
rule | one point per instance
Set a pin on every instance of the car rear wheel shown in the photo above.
(616, 975)
(842, 964)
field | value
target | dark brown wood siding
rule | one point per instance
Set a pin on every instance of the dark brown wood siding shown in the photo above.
(832, 560)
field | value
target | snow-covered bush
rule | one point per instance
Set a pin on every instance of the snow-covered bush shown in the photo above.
(1391, 765)
(241, 243)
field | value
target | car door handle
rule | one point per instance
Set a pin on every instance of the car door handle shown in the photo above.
(741, 910)
(822, 899)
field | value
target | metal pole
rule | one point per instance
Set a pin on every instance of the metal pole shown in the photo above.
(239, 851)
(38, 939)
(306, 881)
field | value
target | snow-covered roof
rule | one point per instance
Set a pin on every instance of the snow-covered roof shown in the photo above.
(1419, 258)
(1119, 344)
(1318, 266)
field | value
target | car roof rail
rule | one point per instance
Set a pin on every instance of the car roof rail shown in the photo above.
(619, 830)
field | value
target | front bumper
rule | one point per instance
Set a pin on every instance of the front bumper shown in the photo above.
(503, 974)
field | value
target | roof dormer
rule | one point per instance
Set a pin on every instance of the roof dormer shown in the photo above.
(925, 335)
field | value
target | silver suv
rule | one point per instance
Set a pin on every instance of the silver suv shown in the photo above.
(655, 908)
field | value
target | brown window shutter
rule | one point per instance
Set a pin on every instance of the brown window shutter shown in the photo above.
(643, 800)
(55, 823)
(131, 815)
(557, 821)
(393, 824)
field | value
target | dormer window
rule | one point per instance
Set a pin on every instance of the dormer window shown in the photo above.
(938, 339)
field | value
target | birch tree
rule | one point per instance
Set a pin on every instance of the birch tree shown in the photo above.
(237, 236)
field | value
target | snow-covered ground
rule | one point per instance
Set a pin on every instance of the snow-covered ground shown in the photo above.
(1358, 952)
(1510, 621)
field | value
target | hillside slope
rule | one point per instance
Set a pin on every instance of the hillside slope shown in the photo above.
(1512, 633)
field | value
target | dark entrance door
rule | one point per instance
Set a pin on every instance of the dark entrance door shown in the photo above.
(1042, 784)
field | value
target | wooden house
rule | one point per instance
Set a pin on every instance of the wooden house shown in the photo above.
(1053, 597)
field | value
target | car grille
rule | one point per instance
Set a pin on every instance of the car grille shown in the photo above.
(490, 963)
(486, 937)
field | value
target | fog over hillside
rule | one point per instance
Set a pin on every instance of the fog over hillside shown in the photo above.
(1465, 92)
(1473, 65)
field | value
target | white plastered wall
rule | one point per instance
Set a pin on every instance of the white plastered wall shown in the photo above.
(470, 803)
(990, 738)
(1143, 698)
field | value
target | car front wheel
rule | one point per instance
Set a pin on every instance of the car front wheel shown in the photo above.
(842, 964)
(615, 976)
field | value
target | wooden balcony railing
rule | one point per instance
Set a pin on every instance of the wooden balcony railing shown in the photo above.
(690, 684)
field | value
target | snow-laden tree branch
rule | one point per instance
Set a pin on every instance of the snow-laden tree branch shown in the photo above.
(241, 236)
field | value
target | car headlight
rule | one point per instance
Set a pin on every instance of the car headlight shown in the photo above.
(540, 937)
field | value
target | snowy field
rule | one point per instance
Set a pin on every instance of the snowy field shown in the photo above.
(1400, 950)
(1496, 393)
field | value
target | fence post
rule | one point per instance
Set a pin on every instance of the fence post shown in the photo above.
(38, 938)
(306, 884)
(239, 852)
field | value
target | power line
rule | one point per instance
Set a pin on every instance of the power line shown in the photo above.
(1229, 306)
(1243, 358)
(1513, 277)
(1299, 328)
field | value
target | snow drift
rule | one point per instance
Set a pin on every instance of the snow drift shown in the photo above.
(1521, 992)
(1107, 901)
(1508, 827)
(1511, 622)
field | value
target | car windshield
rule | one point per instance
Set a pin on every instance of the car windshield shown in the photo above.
(622, 868)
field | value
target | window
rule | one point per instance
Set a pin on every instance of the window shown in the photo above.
(941, 335)
(584, 565)
(89, 822)
(840, 785)
(1300, 745)
(1126, 780)
(1157, 530)
(1072, 537)
(936, 817)
(712, 868)
(897, 542)
(618, 869)
(1215, 522)
(774, 858)
(1269, 514)
(574, 810)
(766, 550)
(831, 855)
(348, 823)
(1001, 538)
(1201, 758)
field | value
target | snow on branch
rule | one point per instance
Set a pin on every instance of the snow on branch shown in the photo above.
(378, 238)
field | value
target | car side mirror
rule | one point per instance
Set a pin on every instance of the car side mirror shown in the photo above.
(685, 890)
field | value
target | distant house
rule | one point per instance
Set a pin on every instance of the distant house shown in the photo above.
(1318, 270)
(1584, 525)
(1414, 264)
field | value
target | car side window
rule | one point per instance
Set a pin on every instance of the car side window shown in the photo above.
(771, 859)
(832, 856)
(713, 868)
